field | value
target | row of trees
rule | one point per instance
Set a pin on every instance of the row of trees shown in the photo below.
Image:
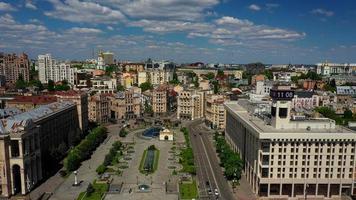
(186, 155)
(339, 119)
(230, 160)
(85, 148)
(110, 157)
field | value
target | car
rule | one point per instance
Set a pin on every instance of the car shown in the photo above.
(209, 191)
(216, 192)
(199, 133)
(195, 134)
(207, 183)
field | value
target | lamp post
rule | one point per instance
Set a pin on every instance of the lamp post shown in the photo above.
(75, 178)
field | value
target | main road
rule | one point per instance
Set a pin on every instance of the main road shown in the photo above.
(210, 175)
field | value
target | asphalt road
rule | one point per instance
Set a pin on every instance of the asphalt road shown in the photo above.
(206, 160)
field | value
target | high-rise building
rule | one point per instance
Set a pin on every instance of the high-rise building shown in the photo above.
(190, 104)
(49, 69)
(288, 157)
(13, 66)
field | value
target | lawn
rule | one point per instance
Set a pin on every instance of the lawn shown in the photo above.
(100, 189)
(188, 190)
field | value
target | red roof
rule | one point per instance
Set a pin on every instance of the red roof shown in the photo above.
(34, 99)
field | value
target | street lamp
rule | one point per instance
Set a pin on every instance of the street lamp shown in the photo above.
(75, 178)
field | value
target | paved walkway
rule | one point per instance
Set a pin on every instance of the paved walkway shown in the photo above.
(86, 172)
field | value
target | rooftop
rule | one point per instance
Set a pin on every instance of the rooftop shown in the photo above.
(244, 111)
(18, 122)
(34, 99)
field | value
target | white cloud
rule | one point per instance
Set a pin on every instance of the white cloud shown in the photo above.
(79, 11)
(155, 26)
(110, 28)
(254, 7)
(29, 4)
(78, 30)
(6, 7)
(323, 12)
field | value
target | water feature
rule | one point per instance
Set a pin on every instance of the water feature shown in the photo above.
(152, 132)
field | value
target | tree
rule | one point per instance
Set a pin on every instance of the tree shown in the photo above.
(216, 87)
(120, 87)
(348, 114)
(101, 169)
(50, 85)
(210, 75)
(123, 132)
(90, 190)
(146, 86)
(268, 74)
(20, 83)
(220, 73)
(36, 83)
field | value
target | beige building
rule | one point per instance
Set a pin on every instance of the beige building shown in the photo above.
(291, 159)
(81, 100)
(215, 112)
(99, 108)
(159, 100)
(27, 103)
(27, 141)
(126, 104)
(190, 104)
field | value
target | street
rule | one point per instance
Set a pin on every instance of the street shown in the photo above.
(209, 172)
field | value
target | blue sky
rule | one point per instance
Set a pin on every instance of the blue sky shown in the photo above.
(225, 31)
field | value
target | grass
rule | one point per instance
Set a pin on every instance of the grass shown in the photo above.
(155, 164)
(100, 189)
(188, 190)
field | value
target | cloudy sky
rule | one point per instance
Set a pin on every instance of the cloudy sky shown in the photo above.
(227, 31)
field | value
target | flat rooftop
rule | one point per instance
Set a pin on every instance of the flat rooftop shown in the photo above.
(243, 110)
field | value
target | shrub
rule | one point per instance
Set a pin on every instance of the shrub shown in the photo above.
(90, 190)
(101, 169)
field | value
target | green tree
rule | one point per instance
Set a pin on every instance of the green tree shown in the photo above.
(268, 74)
(220, 73)
(146, 86)
(50, 85)
(123, 132)
(20, 83)
(101, 169)
(120, 87)
(348, 114)
(216, 87)
(90, 190)
(210, 75)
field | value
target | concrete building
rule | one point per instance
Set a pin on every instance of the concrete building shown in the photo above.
(190, 104)
(214, 111)
(12, 66)
(126, 104)
(283, 76)
(99, 108)
(104, 85)
(291, 159)
(105, 58)
(327, 69)
(133, 67)
(50, 69)
(27, 141)
(159, 100)
(81, 100)
(159, 72)
(263, 87)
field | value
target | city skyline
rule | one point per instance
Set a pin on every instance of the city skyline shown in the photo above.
(224, 31)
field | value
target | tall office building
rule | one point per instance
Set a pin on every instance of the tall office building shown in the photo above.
(288, 157)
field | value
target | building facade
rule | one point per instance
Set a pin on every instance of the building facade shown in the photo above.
(27, 103)
(49, 69)
(214, 111)
(27, 142)
(291, 159)
(99, 108)
(327, 69)
(126, 104)
(190, 104)
(13, 66)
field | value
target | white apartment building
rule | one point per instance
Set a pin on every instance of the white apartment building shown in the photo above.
(49, 69)
(327, 69)
(291, 159)
(190, 105)
(263, 87)
(104, 84)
